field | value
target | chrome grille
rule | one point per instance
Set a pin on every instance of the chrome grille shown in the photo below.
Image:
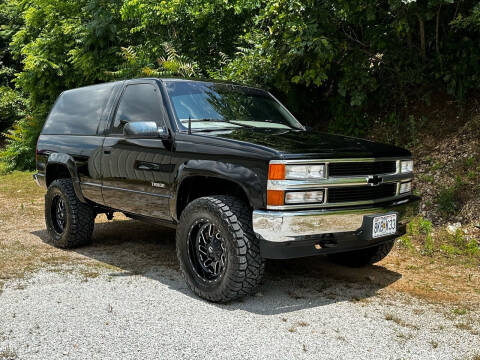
(362, 168)
(348, 182)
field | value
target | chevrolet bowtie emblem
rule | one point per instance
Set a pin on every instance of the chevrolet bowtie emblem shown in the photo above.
(374, 180)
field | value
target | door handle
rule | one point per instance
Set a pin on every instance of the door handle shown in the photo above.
(107, 150)
(142, 165)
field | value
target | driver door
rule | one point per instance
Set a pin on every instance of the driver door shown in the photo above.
(137, 172)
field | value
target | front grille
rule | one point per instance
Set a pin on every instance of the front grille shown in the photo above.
(361, 168)
(360, 193)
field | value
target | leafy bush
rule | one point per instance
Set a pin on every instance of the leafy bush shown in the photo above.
(12, 107)
(422, 240)
(450, 198)
(342, 65)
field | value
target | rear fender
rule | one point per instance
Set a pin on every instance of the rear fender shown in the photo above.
(69, 163)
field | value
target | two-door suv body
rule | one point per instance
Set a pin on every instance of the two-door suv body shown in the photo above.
(226, 165)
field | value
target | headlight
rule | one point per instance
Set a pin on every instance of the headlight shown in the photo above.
(406, 166)
(405, 187)
(300, 197)
(305, 171)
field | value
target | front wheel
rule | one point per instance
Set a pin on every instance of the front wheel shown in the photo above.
(359, 258)
(217, 250)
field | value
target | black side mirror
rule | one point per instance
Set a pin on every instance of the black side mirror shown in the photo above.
(145, 129)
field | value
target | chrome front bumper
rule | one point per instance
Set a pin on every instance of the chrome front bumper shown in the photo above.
(285, 226)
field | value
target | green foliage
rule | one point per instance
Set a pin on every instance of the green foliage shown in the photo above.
(348, 66)
(12, 106)
(420, 226)
(172, 64)
(20, 150)
(458, 244)
(449, 198)
(420, 239)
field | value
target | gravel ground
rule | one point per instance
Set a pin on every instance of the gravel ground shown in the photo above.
(79, 313)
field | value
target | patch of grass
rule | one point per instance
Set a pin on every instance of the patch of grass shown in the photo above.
(426, 178)
(406, 242)
(19, 185)
(420, 225)
(459, 311)
(436, 166)
(422, 240)
(463, 326)
(8, 354)
(449, 199)
(398, 321)
(303, 323)
(434, 344)
(458, 244)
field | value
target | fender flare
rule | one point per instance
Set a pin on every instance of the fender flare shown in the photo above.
(69, 163)
(249, 181)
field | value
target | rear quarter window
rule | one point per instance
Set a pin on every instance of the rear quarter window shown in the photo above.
(78, 111)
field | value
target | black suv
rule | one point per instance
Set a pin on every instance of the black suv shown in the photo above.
(230, 168)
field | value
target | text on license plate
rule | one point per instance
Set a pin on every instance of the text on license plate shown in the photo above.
(384, 225)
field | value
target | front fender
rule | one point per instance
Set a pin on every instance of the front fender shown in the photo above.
(252, 182)
(69, 162)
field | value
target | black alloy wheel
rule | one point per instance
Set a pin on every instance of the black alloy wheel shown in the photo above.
(218, 251)
(69, 221)
(206, 250)
(59, 214)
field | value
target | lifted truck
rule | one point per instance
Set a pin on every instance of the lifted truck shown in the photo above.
(230, 168)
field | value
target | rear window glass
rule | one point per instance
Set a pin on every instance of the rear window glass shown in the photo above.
(78, 111)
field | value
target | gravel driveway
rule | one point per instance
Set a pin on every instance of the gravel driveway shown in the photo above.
(135, 305)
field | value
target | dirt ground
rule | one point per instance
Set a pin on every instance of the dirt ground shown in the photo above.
(126, 297)
(135, 247)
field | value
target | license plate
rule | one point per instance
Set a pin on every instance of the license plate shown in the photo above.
(384, 225)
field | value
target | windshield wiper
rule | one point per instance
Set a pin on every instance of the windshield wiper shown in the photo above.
(234, 122)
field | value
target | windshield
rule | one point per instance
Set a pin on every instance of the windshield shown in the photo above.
(212, 106)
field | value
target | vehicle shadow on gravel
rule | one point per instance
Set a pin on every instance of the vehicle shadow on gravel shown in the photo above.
(289, 285)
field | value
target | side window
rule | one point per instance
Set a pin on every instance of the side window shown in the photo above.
(78, 111)
(139, 102)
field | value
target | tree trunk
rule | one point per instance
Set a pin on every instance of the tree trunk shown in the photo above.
(437, 48)
(423, 51)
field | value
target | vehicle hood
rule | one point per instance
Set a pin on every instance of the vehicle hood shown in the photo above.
(310, 144)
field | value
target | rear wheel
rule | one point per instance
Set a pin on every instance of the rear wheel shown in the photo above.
(69, 221)
(359, 258)
(217, 250)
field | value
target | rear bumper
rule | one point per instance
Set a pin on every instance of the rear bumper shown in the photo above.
(290, 234)
(39, 179)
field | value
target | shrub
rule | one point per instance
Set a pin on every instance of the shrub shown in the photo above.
(450, 198)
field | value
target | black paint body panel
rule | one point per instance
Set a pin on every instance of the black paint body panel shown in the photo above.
(142, 176)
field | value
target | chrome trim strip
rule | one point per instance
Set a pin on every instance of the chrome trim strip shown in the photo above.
(91, 184)
(283, 226)
(310, 161)
(127, 190)
(334, 182)
(334, 205)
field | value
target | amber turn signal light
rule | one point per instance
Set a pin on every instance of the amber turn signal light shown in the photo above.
(276, 172)
(275, 197)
